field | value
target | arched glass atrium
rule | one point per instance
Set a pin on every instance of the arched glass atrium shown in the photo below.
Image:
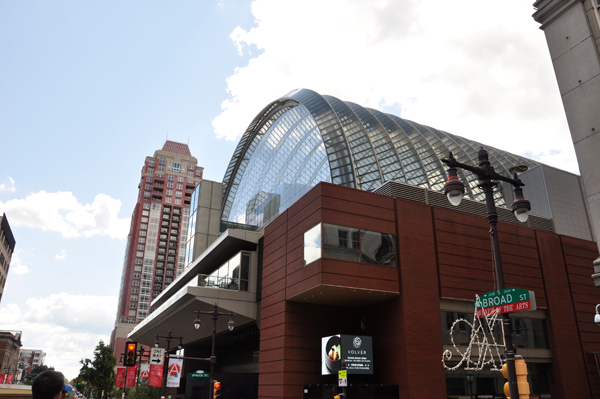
(304, 138)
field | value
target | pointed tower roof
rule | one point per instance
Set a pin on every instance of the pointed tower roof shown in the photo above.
(177, 148)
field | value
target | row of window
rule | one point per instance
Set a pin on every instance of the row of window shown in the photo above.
(347, 243)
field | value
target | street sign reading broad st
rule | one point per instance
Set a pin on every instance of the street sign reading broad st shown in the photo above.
(507, 300)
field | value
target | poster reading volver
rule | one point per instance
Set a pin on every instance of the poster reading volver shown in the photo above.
(356, 351)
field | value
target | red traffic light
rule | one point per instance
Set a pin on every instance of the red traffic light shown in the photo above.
(131, 347)
(217, 385)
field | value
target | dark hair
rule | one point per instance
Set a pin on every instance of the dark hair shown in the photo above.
(48, 384)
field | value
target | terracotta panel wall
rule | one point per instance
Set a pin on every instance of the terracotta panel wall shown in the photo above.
(419, 371)
(441, 253)
(578, 255)
(466, 260)
(568, 366)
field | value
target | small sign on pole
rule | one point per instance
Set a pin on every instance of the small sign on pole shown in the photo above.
(343, 378)
(157, 356)
(508, 300)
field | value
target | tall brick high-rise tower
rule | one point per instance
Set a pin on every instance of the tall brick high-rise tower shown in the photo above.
(155, 251)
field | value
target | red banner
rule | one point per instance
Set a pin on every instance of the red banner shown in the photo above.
(131, 376)
(9, 379)
(2, 378)
(120, 377)
(156, 374)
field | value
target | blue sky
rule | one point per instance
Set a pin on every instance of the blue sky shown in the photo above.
(89, 89)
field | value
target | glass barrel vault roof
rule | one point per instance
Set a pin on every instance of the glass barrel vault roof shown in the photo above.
(304, 138)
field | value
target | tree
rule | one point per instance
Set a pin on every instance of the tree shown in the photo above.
(28, 379)
(99, 374)
(143, 391)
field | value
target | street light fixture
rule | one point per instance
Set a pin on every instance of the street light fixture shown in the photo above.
(454, 190)
(597, 317)
(168, 337)
(215, 316)
(470, 379)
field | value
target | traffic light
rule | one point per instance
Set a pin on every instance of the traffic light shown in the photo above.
(216, 390)
(521, 372)
(130, 349)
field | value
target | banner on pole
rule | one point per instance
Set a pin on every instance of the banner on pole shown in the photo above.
(155, 376)
(174, 374)
(9, 379)
(144, 371)
(131, 376)
(120, 377)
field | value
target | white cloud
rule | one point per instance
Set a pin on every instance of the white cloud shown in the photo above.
(16, 264)
(67, 327)
(62, 255)
(479, 69)
(8, 187)
(61, 212)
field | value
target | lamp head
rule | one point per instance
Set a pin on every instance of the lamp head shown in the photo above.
(454, 189)
(520, 205)
(230, 324)
(597, 317)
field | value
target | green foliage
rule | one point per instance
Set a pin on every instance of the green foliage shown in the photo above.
(28, 379)
(99, 374)
(143, 391)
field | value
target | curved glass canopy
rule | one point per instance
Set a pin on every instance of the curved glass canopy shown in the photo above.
(304, 138)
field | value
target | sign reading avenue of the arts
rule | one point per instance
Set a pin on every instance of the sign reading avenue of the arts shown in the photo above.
(507, 300)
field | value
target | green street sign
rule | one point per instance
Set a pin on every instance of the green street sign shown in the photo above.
(507, 300)
(199, 375)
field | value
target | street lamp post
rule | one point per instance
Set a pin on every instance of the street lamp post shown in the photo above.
(215, 316)
(168, 337)
(454, 190)
(470, 383)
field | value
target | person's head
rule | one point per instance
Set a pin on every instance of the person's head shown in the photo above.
(48, 385)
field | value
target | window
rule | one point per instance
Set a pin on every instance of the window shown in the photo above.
(143, 226)
(176, 167)
(190, 174)
(168, 200)
(145, 213)
(134, 298)
(170, 184)
(178, 194)
(171, 177)
(147, 194)
(198, 172)
(150, 170)
(190, 166)
(134, 290)
(131, 313)
(142, 233)
(149, 179)
(180, 179)
(139, 254)
(312, 244)
(162, 161)
(144, 220)
(169, 192)
(177, 202)
(179, 186)
(148, 186)
(136, 275)
(141, 240)
(146, 206)
(161, 168)
(133, 305)
(351, 244)
(136, 283)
